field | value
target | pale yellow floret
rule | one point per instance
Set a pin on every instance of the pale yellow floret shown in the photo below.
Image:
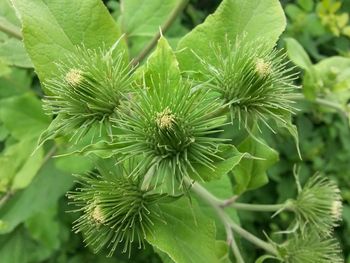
(336, 210)
(97, 215)
(165, 119)
(262, 67)
(74, 77)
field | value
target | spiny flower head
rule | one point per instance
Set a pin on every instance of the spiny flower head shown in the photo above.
(319, 205)
(252, 81)
(171, 128)
(114, 210)
(310, 248)
(86, 92)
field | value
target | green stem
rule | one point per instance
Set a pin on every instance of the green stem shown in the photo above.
(330, 104)
(324, 102)
(217, 205)
(148, 48)
(253, 239)
(10, 29)
(258, 207)
(5, 198)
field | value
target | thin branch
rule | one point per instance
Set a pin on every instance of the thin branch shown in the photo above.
(5, 198)
(229, 201)
(259, 207)
(324, 102)
(153, 42)
(10, 29)
(331, 104)
(217, 205)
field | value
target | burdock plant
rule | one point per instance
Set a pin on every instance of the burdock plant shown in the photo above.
(254, 82)
(318, 205)
(164, 129)
(172, 128)
(309, 247)
(86, 92)
(115, 210)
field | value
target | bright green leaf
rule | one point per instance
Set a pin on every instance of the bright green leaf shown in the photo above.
(162, 67)
(44, 191)
(44, 228)
(141, 20)
(19, 247)
(297, 54)
(18, 166)
(230, 158)
(51, 31)
(251, 173)
(12, 50)
(307, 5)
(23, 116)
(187, 236)
(16, 83)
(262, 19)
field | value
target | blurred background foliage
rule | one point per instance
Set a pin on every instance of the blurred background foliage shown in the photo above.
(34, 224)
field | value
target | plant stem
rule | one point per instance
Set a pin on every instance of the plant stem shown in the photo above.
(10, 29)
(324, 102)
(173, 15)
(5, 198)
(251, 238)
(258, 207)
(330, 104)
(217, 205)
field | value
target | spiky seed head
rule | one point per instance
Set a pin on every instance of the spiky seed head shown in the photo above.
(74, 77)
(172, 129)
(115, 211)
(309, 247)
(165, 119)
(255, 82)
(262, 67)
(319, 205)
(86, 92)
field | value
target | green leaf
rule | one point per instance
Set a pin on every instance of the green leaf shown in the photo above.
(233, 18)
(141, 20)
(307, 5)
(23, 116)
(230, 158)
(297, 54)
(44, 191)
(74, 164)
(44, 228)
(19, 247)
(222, 251)
(7, 12)
(16, 83)
(12, 50)
(162, 67)
(187, 236)
(18, 166)
(52, 28)
(29, 168)
(329, 79)
(251, 173)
